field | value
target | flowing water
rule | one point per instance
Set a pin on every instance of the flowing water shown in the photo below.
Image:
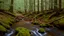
(10, 32)
(36, 33)
(33, 33)
(34, 30)
(53, 31)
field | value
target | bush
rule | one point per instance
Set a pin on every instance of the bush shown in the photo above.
(41, 30)
(22, 31)
(3, 29)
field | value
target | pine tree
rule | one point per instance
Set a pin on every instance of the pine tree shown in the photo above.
(38, 5)
(11, 7)
(25, 5)
(60, 4)
(51, 4)
(41, 5)
(34, 5)
(55, 4)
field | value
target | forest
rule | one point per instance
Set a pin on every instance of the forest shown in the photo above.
(31, 17)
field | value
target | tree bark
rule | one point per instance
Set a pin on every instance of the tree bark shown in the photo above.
(45, 5)
(51, 4)
(34, 5)
(41, 5)
(38, 6)
(11, 7)
(25, 5)
(55, 5)
(60, 4)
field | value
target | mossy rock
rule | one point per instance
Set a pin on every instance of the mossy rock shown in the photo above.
(41, 30)
(59, 23)
(49, 25)
(6, 25)
(35, 23)
(3, 29)
(6, 20)
(45, 25)
(22, 31)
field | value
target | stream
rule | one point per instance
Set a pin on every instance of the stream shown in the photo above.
(33, 33)
(36, 33)
(10, 32)
(34, 30)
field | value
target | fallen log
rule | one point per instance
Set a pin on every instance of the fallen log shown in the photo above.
(51, 21)
(6, 12)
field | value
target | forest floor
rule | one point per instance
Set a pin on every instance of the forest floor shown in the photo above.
(27, 24)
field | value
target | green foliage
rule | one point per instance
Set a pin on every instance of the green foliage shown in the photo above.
(3, 29)
(41, 30)
(1, 2)
(6, 20)
(35, 22)
(22, 31)
(61, 21)
(45, 25)
(6, 25)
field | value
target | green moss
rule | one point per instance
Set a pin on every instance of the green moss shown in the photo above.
(43, 25)
(3, 28)
(6, 20)
(22, 31)
(35, 23)
(41, 30)
(6, 25)
(61, 21)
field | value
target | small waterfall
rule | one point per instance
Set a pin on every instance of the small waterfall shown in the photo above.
(11, 31)
(36, 33)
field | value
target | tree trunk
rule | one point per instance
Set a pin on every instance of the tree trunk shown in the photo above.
(41, 5)
(45, 5)
(55, 5)
(60, 4)
(11, 7)
(34, 5)
(51, 4)
(30, 6)
(25, 5)
(38, 6)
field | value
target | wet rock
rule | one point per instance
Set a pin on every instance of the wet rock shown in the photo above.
(41, 30)
(22, 31)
